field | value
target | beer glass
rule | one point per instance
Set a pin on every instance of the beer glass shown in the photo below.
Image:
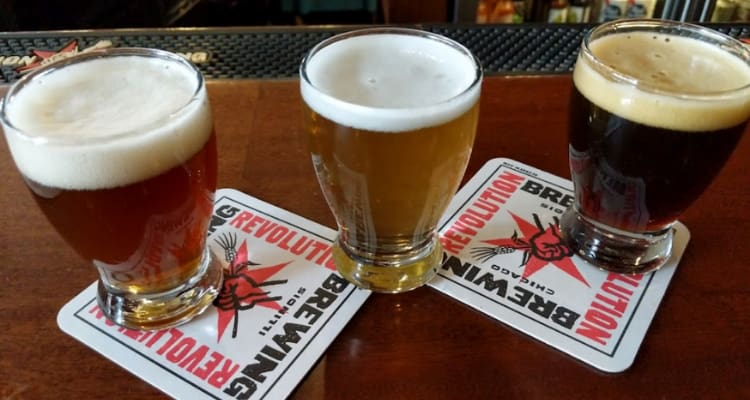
(391, 116)
(118, 150)
(656, 110)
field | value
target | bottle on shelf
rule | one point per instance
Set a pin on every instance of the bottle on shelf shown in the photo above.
(724, 11)
(496, 12)
(640, 9)
(610, 10)
(558, 11)
(743, 11)
(537, 10)
(579, 11)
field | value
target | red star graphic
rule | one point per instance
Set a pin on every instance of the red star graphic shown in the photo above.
(244, 288)
(543, 248)
(43, 55)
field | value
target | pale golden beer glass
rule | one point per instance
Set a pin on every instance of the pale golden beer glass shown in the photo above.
(391, 116)
(118, 150)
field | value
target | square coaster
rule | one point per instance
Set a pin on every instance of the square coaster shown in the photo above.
(261, 347)
(504, 260)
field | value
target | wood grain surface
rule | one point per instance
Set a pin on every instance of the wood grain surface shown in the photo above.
(417, 345)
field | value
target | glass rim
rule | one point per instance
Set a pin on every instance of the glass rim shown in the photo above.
(40, 138)
(478, 69)
(669, 27)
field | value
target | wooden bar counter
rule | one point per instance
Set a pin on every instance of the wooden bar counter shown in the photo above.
(418, 345)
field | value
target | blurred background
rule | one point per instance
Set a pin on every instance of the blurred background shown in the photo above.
(29, 15)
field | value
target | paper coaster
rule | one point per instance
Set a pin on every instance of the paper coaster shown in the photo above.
(503, 260)
(258, 349)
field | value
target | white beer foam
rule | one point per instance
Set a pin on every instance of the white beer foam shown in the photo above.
(101, 123)
(666, 63)
(390, 82)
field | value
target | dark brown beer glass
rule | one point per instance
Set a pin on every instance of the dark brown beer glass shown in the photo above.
(118, 149)
(656, 110)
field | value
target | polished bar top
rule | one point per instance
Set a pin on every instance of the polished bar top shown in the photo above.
(420, 344)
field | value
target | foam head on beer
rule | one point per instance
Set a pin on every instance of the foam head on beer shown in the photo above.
(684, 84)
(377, 82)
(99, 123)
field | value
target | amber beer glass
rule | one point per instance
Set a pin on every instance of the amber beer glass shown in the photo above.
(656, 110)
(118, 149)
(391, 116)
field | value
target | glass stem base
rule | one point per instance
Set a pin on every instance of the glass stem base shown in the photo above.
(156, 311)
(614, 250)
(392, 273)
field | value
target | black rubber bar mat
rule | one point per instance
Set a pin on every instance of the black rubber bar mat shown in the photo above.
(275, 52)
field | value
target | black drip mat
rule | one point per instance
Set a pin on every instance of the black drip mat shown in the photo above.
(275, 52)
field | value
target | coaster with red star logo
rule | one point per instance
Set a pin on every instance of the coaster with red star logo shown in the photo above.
(282, 303)
(505, 258)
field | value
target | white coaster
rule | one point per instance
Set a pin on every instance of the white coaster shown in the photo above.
(288, 306)
(504, 259)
